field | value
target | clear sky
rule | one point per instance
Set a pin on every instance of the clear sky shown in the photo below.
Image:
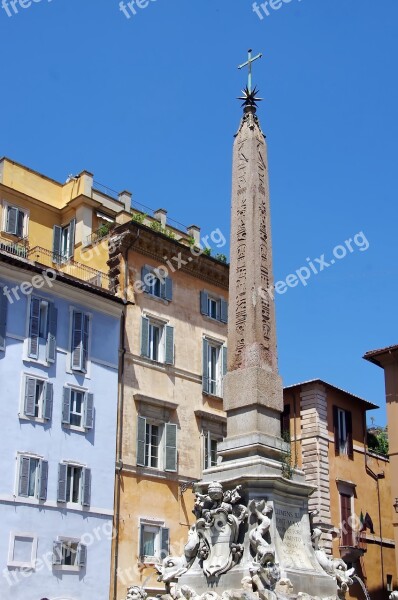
(147, 103)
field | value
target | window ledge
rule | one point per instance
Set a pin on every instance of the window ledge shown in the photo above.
(74, 428)
(43, 363)
(204, 414)
(156, 402)
(212, 320)
(68, 568)
(39, 420)
(157, 298)
(149, 560)
(215, 396)
(21, 565)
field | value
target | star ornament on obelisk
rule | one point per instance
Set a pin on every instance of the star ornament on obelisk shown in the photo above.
(250, 95)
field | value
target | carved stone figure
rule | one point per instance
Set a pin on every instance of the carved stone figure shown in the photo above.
(336, 567)
(136, 593)
(262, 549)
(173, 567)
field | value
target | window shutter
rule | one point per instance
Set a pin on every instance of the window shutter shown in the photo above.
(71, 248)
(48, 393)
(224, 311)
(24, 468)
(86, 333)
(171, 447)
(167, 289)
(57, 237)
(57, 553)
(207, 449)
(205, 381)
(141, 541)
(77, 339)
(12, 216)
(336, 430)
(66, 400)
(82, 555)
(204, 303)
(52, 332)
(144, 273)
(43, 480)
(86, 487)
(169, 354)
(350, 443)
(3, 318)
(164, 542)
(20, 222)
(145, 337)
(89, 411)
(224, 360)
(62, 474)
(34, 328)
(141, 435)
(30, 394)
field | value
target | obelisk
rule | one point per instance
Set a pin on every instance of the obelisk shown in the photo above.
(253, 395)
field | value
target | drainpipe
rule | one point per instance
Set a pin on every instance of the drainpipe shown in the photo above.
(376, 477)
(119, 442)
(295, 428)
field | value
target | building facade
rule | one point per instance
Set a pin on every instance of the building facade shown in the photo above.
(57, 450)
(171, 415)
(387, 359)
(352, 501)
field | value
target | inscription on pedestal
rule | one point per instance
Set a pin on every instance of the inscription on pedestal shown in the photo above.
(294, 537)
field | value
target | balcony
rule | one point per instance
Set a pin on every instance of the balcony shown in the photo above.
(48, 259)
(352, 546)
(102, 232)
(19, 248)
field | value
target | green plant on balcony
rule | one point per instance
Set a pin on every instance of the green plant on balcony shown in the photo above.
(170, 234)
(221, 257)
(103, 230)
(191, 240)
(157, 226)
(207, 251)
(139, 218)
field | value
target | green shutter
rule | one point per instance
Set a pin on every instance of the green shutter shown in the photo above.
(82, 555)
(86, 487)
(204, 303)
(85, 341)
(48, 394)
(145, 337)
(164, 542)
(223, 311)
(30, 396)
(169, 353)
(52, 333)
(43, 480)
(77, 341)
(205, 367)
(71, 247)
(3, 318)
(144, 273)
(62, 474)
(24, 469)
(141, 437)
(89, 411)
(66, 400)
(34, 325)
(167, 289)
(12, 217)
(170, 447)
(57, 240)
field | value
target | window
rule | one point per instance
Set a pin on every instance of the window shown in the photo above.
(42, 330)
(210, 450)
(64, 241)
(22, 550)
(347, 533)
(154, 542)
(157, 445)
(74, 484)
(343, 432)
(3, 318)
(70, 554)
(156, 285)
(32, 477)
(15, 221)
(80, 340)
(389, 583)
(77, 408)
(157, 341)
(214, 367)
(38, 398)
(214, 307)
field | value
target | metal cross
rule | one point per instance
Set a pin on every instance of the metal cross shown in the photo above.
(248, 63)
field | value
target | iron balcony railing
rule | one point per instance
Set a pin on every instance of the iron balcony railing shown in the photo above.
(69, 267)
(101, 233)
(19, 248)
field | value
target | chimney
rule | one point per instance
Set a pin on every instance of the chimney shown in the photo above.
(86, 183)
(125, 198)
(194, 232)
(161, 215)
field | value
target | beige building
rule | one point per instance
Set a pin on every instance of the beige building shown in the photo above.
(387, 359)
(171, 414)
(352, 502)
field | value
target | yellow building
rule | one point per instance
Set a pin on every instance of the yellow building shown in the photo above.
(352, 502)
(387, 359)
(171, 415)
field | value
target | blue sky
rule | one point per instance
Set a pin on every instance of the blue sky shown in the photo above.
(148, 104)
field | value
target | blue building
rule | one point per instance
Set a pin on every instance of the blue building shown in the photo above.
(59, 348)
